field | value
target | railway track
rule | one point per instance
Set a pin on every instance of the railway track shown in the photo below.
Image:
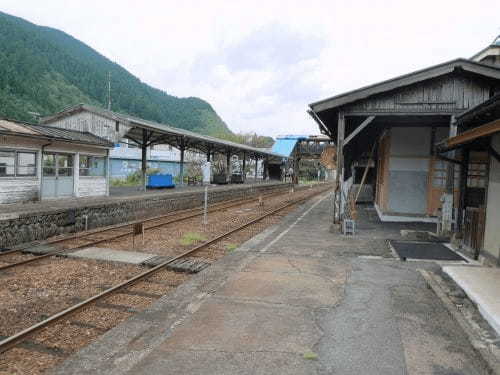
(118, 231)
(21, 336)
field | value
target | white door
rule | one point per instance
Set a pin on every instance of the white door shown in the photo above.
(57, 172)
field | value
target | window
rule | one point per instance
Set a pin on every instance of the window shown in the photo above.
(92, 165)
(17, 163)
(7, 163)
(49, 165)
(65, 165)
(26, 164)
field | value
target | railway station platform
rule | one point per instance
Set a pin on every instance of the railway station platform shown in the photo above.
(295, 299)
(27, 222)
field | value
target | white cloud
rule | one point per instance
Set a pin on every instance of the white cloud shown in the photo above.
(259, 63)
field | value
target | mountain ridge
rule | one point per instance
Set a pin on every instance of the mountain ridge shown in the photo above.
(44, 70)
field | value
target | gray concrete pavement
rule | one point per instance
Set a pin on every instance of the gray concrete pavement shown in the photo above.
(295, 292)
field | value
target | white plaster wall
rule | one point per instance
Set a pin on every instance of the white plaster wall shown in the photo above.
(410, 141)
(492, 229)
(408, 169)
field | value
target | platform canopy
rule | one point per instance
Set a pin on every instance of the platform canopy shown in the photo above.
(148, 133)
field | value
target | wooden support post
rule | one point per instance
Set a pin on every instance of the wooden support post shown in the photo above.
(356, 131)
(447, 207)
(182, 148)
(144, 158)
(243, 172)
(208, 155)
(451, 168)
(464, 171)
(340, 165)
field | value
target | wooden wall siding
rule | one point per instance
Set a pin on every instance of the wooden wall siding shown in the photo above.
(14, 190)
(383, 172)
(73, 148)
(91, 186)
(21, 142)
(444, 94)
(94, 124)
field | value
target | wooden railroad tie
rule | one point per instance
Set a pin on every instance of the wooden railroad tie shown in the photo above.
(188, 265)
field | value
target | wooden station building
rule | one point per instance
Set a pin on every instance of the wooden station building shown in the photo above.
(401, 120)
(477, 153)
(39, 162)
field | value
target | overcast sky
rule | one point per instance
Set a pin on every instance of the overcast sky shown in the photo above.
(260, 63)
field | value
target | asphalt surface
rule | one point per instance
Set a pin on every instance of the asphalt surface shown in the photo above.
(297, 299)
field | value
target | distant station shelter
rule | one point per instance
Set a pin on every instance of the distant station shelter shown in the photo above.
(307, 147)
(114, 127)
(396, 124)
(39, 162)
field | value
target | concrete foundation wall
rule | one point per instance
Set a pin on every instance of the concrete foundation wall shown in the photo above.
(29, 227)
(492, 232)
(408, 170)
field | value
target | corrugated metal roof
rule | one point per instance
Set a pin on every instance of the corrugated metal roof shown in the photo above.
(285, 146)
(13, 127)
(161, 128)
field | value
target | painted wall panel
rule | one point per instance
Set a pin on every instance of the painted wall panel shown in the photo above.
(492, 232)
(409, 164)
(408, 192)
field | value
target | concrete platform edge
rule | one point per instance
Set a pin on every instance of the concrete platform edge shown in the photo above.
(491, 360)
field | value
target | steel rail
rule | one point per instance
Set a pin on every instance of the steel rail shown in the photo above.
(121, 235)
(13, 340)
(213, 207)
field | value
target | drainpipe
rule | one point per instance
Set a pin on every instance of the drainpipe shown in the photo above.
(41, 171)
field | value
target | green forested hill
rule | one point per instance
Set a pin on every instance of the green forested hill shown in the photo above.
(44, 70)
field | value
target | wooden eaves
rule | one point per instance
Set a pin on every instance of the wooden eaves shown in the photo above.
(470, 136)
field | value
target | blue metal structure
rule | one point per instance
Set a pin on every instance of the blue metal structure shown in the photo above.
(160, 181)
(285, 145)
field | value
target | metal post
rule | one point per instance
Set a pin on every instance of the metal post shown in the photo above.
(265, 172)
(228, 165)
(181, 167)
(144, 161)
(205, 221)
(256, 166)
(243, 172)
(108, 172)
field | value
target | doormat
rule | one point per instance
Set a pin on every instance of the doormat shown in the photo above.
(424, 250)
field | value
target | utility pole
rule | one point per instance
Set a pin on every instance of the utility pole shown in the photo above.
(109, 91)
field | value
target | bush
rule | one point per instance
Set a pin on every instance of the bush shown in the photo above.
(133, 179)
